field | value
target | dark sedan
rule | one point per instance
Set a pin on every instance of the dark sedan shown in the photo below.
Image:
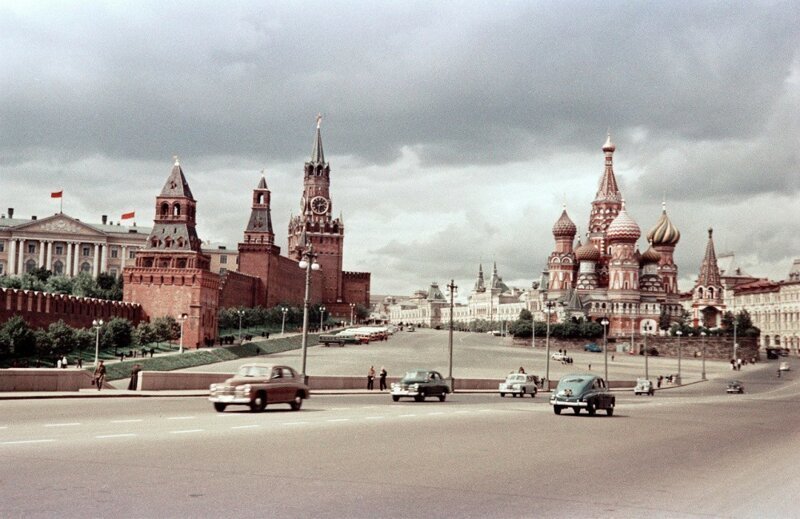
(583, 391)
(421, 383)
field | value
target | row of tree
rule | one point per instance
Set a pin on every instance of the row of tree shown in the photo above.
(105, 286)
(273, 318)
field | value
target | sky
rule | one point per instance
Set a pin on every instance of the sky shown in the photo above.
(455, 130)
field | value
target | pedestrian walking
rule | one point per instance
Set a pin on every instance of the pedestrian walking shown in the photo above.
(383, 374)
(79, 362)
(370, 377)
(660, 379)
(100, 375)
(64, 361)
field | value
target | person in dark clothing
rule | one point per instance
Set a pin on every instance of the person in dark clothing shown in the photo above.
(100, 375)
(383, 374)
(370, 377)
(132, 385)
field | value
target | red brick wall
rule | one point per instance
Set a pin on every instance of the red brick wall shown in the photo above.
(171, 292)
(356, 287)
(237, 289)
(287, 283)
(40, 309)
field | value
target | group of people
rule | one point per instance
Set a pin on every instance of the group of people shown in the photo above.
(371, 378)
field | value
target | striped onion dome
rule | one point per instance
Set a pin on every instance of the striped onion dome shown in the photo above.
(623, 228)
(664, 232)
(650, 256)
(564, 227)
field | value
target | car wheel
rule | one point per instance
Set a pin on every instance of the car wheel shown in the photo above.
(533, 393)
(395, 398)
(259, 403)
(297, 403)
(419, 398)
(591, 409)
(557, 409)
(610, 411)
(576, 410)
(219, 407)
(442, 397)
(522, 395)
(502, 395)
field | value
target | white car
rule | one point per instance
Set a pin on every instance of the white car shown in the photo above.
(558, 356)
(519, 384)
(784, 366)
(644, 387)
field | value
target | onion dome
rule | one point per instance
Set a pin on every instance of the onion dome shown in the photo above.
(587, 252)
(650, 256)
(664, 233)
(623, 228)
(609, 146)
(564, 227)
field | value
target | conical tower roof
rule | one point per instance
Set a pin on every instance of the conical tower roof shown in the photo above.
(176, 185)
(608, 189)
(709, 270)
(317, 154)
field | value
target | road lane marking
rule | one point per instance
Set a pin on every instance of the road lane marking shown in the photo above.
(73, 424)
(435, 413)
(124, 435)
(294, 423)
(181, 417)
(251, 426)
(134, 420)
(187, 431)
(406, 415)
(3, 427)
(374, 417)
(339, 420)
(337, 409)
(20, 442)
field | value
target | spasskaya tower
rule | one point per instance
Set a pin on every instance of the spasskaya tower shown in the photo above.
(317, 224)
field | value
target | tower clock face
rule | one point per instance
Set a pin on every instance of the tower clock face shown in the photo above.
(319, 204)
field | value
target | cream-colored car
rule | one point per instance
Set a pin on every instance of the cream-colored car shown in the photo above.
(519, 384)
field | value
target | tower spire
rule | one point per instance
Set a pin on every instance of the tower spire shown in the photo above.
(608, 190)
(317, 155)
(709, 270)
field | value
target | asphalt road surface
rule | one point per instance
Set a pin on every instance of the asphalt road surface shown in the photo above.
(688, 452)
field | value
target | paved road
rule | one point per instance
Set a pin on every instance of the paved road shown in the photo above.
(687, 452)
(475, 355)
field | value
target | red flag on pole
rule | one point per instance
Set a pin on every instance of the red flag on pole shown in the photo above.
(57, 194)
(128, 216)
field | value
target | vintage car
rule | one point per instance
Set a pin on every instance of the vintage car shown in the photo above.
(421, 383)
(583, 391)
(644, 387)
(593, 347)
(257, 385)
(558, 356)
(519, 384)
(784, 366)
(734, 386)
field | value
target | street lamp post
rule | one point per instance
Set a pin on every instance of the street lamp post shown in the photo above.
(452, 288)
(647, 329)
(309, 263)
(703, 338)
(352, 312)
(284, 311)
(321, 317)
(679, 333)
(604, 322)
(549, 305)
(97, 324)
(241, 314)
(182, 319)
(735, 345)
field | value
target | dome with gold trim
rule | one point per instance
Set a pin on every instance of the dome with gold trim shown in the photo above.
(564, 226)
(650, 256)
(623, 228)
(587, 252)
(664, 232)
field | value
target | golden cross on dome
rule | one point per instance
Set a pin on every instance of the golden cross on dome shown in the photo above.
(319, 119)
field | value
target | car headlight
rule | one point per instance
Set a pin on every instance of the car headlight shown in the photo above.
(415, 387)
(394, 385)
(244, 389)
(213, 387)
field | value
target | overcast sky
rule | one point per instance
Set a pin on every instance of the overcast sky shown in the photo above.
(454, 130)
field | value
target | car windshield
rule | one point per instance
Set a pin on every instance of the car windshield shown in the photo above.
(515, 378)
(416, 376)
(574, 385)
(253, 371)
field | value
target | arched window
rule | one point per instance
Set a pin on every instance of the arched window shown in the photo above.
(700, 292)
(164, 209)
(30, 266)
(711, 292)
(260, 199)
(58, 268)
(86, 267)
(176, 210)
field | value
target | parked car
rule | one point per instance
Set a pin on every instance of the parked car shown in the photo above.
(734, 386)
(519, 384)
(644, 387)
(410, 328)
(593, 347)
(583, 391)
(558, 356)
(784, 366)
(419, 384)
(257, 385)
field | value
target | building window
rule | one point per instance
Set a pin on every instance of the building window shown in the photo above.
(223, 270)
(2, 269)
(2, 245)
(132, 254)
(85, 267)
(30, 266)
(58, 268)
(223, 259)
(113, 272)
(114, 252)
(59, 250)
(31, 248)
(85, 250)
